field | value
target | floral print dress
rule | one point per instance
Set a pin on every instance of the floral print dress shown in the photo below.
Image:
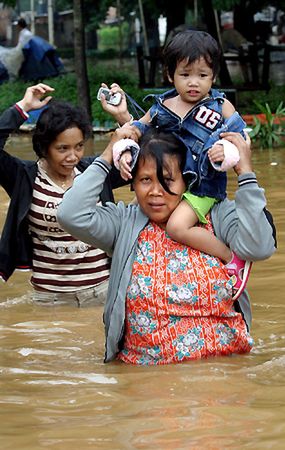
(179, 305)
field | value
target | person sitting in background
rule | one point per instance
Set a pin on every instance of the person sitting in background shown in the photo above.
(65, 270)
(166, 302)
(13, 58)
(24, 34)
(232, 39)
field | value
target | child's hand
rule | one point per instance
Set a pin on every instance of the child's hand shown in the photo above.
(125, 165)
(216, 153)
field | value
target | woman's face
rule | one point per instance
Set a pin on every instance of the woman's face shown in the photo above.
(155, 202)
(65, 152)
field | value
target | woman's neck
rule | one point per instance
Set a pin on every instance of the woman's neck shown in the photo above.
(64, 181)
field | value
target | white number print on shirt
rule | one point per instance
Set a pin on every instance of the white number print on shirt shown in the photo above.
(207, 117)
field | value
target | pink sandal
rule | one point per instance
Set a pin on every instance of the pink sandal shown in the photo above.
(239, 270)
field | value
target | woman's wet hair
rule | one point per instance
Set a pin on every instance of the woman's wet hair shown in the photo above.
(157, 144)
(57, 117)
(191, 45)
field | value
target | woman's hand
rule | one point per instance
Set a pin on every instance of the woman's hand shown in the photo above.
(245, 164)
(127, 131)
(119, 112)
(34, 97)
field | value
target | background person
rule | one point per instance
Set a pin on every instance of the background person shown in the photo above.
(232, 39)
(13, 58)
(64, 269)
(168, 302)
(24, 33)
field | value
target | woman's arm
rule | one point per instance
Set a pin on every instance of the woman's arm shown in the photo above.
(120, 112)
(11, 120)
(13, 117)
(243, 224)
(81, 216)
(79, 212)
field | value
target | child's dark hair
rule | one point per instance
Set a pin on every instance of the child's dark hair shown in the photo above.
(191, 45)
(157, 144)
(57, 117)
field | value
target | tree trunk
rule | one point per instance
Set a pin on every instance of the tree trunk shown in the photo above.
(210, 22)
(175, 14)
(83, 92)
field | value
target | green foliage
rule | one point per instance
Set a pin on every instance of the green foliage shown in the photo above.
(228, 5)
(125, 77)
(225, 5)
(124, 72)
(66, 53)
(66, 89)
(11, 3)
(269, 133)
(62, 5)
(109, 37)
(10, 93)
(246, 104)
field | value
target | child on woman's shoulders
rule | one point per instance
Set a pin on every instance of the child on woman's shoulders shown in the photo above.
(197, 114)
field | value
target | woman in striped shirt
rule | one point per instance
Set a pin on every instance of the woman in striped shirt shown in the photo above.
(64, 269)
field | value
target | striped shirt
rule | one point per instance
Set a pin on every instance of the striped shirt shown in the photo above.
(61, 263)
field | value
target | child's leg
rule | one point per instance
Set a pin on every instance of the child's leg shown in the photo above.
(181, 227)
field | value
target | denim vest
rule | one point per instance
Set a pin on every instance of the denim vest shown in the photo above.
(198, 130)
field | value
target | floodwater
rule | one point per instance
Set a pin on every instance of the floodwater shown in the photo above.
(56, 392)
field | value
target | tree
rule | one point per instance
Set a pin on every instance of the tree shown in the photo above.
(210, 21)
(83, 91)
(174, 16)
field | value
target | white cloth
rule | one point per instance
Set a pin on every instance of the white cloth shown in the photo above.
(24, 36)
(231, 156)
(121, 146)
(13, 57)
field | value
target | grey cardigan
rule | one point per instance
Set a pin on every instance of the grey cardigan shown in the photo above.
(242, 224)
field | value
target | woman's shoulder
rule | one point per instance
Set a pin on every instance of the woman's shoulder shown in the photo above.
(131, 214)
(8, 160)
(85, 162)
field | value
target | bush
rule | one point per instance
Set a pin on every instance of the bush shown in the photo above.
(109, 37)
(13, 91)
(246, 99)
(65, 88)
(270, 131)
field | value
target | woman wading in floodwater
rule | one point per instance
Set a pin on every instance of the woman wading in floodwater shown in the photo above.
(65, 270)
(167, 302)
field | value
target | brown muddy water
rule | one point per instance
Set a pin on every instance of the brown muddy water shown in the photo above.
(56, 392)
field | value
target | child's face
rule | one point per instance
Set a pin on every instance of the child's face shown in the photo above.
(193, 81)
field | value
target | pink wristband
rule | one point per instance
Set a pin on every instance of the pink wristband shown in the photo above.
(231, 156)
(120, 147)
